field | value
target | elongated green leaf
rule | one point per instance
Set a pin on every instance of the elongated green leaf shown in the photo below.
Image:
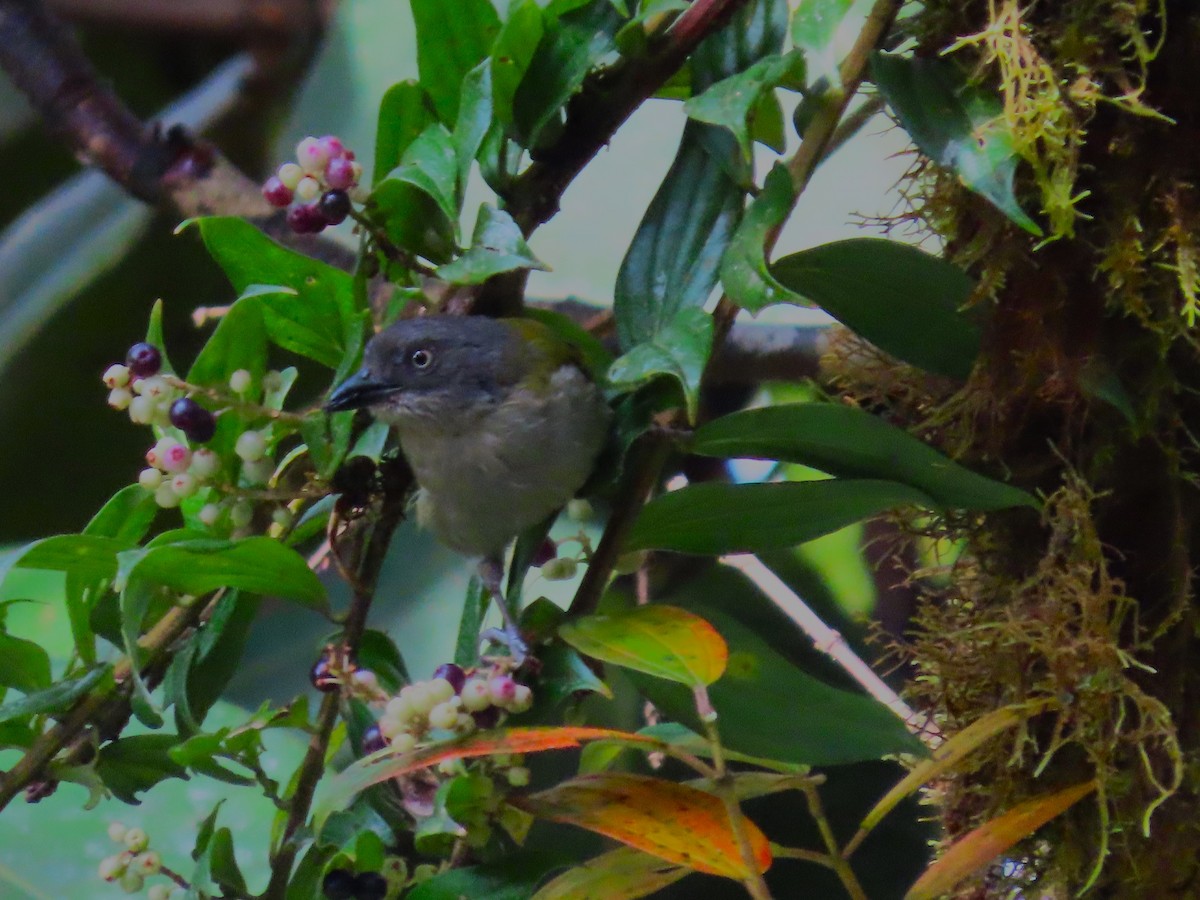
(760, 701)
(239, 342)
(901, 299)
(515, 47)
(404, 112)
(452, 39)
(680, 350)
(745, 275)
(26, 666)
(825, 30)
(956, 124)
(673, 261)
(58, 696)
(851, 443)
(134, 764)
(475, 117)
(496, 246)
(89, 555)
(418, 201)
(732, 102)
(259, 565)
(745, 518)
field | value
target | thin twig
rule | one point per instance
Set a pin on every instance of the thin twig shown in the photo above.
(812, 856)
(841, 866)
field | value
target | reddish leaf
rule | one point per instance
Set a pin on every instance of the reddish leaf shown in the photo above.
(978, 848)
(675, 822)
(663, 641)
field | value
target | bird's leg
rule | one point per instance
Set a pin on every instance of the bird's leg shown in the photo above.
(491, 573)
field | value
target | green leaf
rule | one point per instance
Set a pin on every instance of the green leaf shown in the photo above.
(239, 342)
(956, 124)
(378, 653)
(850, 443)
(126, 516)
(714, 518)
(475, 603)
(256, 564)
(745, 275)
(404, 112)
(901, 299)
(496, 246)
(663, 641)
(680, 349)
(825, 30)
(452, 39)
(511, 55)
(295, 326)
(732, 102)
(88, 555)
(216, 654)
(58, 696)
(475, 112)
(418, 202)
(573, 43)
(26, 666)
(758, 684)
(130, 765)
(513, 877)
(673, 261)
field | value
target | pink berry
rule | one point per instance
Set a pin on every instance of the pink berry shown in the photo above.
(305, 219)
(176, 459)
(276, 192)
(502, 689)
(312, 155)
(339, 174)
(332, 145)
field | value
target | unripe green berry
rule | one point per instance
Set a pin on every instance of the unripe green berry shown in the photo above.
(241, 514)
(518, 776)
(116, 376)
(389, 726)
(141, 410)
(395, 870)
(522, 699)
(424, 872)
(475, 695)
(308, 189)
(120, 398)
(209, 514)
(250, 446)
(580, 510)
(148, 863)
(165, 496)
(258, 471)
(440, 689)
(561, 569)
(150, 479)
(403, 742)
(444, 715)
(239, 381)
(282, 516)
(160, 892)
(132, 882)
(136, 840)
(111, 868)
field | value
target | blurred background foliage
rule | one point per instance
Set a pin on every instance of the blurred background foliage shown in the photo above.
(81, 265)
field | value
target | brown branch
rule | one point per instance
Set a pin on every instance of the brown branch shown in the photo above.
(241, 19)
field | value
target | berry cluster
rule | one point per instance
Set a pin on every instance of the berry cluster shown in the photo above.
(343, 884)
(131, 866)
(316, 188)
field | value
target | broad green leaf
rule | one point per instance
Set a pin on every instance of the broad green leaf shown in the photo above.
(673, 261)
(851, 443)
(130, 765)
(25, 666)
(745, 275)
(631, 809)
(621, 874)
(126, 516)
(378, 653)
(256, 564)
(496, 246)
(404, 112)
(56, 697)
(904, 301)
(732, 102)
(680, 349)
(760, 700)
(714, 518)
(514, 876)
(475, 116)
(825, 30)
(512, 53)
(663, 641)
(452, 39)
(418, 201)
(984, 844)
(572, 44)
(957, 124)
(239, 342)
(88, 555)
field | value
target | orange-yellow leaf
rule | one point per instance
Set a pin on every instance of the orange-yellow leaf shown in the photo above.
(979, 847)
(675, 822)
(621, 874)
(663, 641)
(337, 793)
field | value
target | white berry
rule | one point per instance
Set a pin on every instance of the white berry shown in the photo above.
(444, 715)
(111, 868)
(308, 189)
(562, 568)
(131, 882)
(209, 514)
(116, 831)
(184, 485)
(150, 479)
(239, 381)
(250, 446)
(160, 892)
(476, 695)
(120, 398)
(258, 471)
(205, 464)
(290, 174)
(116, 376)
(241, 514)
(141, 410)
(403, 742)
(148, 863)
(136, 840)
(165, 496)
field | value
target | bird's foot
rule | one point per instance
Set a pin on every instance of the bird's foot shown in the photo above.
(509, 638)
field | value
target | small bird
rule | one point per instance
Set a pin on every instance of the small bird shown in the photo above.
(497, 418)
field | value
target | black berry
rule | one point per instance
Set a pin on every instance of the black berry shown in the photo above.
(322, 676)
(370, 886)
(453, 674)
(335, 206)
(305, 218)
(546, 552)
(340, 884)
(193, 420)
(143, 360)
(373, 740)
(487, 718)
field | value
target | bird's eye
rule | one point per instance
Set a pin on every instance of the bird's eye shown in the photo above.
(421, 359)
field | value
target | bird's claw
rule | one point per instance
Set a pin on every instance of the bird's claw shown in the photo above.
(510, 639)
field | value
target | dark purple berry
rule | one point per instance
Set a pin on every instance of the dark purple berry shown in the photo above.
(143, 360)
(335, 206)
(339, 174)
(305, 218)
(37, 791)
(373, 740)
(193, 420)
(322, 676)
(340, 884)
(276, 192)
(545, 553)
(487, 718)
(453, 674)
(370, 886)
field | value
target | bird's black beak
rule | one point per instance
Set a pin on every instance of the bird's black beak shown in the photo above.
(357, 391)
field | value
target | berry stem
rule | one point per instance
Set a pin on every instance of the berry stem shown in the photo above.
(231, 403)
